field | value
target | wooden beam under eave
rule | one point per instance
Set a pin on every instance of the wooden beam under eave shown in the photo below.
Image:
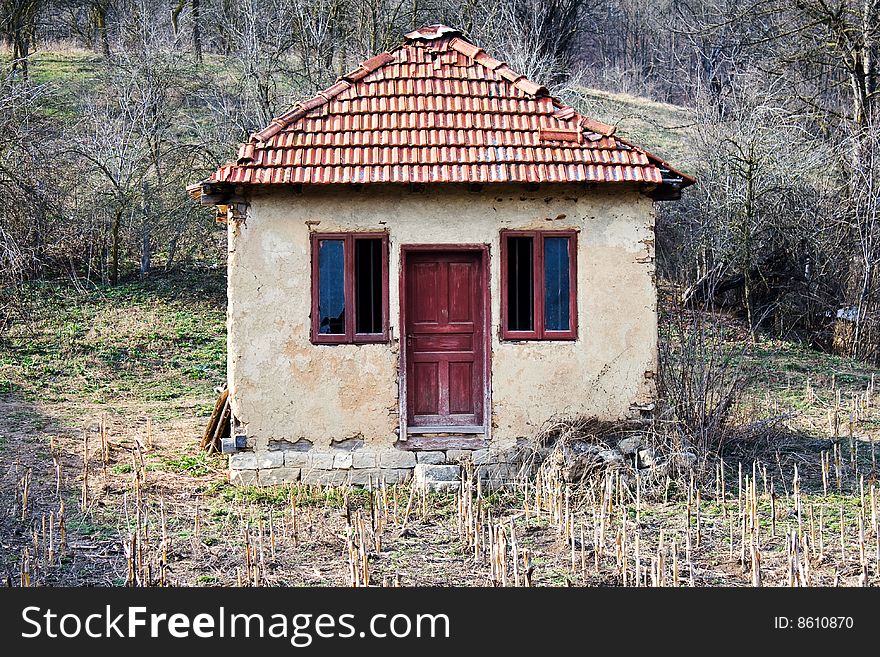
(214, 199)
(663, 192)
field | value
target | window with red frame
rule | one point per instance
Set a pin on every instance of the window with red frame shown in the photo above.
(538, 285)
(349, 288)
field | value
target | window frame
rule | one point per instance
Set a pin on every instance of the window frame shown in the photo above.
(349, 336)
(538, 331)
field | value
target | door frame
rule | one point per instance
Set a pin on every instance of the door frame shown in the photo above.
(476, 440)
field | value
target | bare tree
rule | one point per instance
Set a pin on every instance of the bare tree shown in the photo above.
(18, 29)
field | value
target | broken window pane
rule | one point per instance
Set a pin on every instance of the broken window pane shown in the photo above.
(520, 292)
(556, 284)
(368, 285)
(331, 287)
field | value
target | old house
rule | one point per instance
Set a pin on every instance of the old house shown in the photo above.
(432, 258)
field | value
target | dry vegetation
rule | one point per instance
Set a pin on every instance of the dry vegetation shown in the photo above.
(109, 488)
(107, 111)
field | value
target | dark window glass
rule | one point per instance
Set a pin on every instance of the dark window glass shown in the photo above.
(331, 287)
(520, 281)
(368, 285)
(556, 284)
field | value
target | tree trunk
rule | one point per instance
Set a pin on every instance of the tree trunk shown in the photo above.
(146, 249)
(114, 247)
(870, 21)
(20, 52)
(100, 9)
(196, 31)
(21, 23)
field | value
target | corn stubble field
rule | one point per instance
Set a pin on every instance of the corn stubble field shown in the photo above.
(103, 396)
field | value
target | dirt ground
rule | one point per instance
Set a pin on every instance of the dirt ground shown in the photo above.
(156, 511)
(207, 523)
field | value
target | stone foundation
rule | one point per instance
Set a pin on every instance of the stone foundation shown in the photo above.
(365, 465)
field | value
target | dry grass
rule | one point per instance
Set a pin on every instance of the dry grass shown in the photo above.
(157, 514)
(154, 511)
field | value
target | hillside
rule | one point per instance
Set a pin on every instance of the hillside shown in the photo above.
(663, 129)
(105, 391)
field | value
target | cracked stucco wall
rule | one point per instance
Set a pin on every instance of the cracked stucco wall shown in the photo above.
(284, 388)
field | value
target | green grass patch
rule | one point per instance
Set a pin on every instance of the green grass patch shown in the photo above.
(85, 526)
(664, 129)
(196, 465)
(156, 340)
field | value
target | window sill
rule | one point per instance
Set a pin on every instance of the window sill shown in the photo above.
(554, 338)
(379, 339)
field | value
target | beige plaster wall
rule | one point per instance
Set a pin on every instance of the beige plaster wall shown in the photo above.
(285, 388)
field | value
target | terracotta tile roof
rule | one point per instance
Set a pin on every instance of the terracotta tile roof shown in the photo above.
(438, 109)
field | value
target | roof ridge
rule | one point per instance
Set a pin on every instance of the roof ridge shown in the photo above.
(455, 40)
(321, 98)
(434, 115)
(657, 159)
(476, 54)
(591, 124)
(431, 32)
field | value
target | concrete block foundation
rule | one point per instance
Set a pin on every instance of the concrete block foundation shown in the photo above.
(365, 466)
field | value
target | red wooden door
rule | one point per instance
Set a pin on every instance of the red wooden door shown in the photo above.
(444, 324)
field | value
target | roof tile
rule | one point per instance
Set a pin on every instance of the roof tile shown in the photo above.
(376, 62)
(505, 72)
(467, 49)
(529, 87)
(436, 109)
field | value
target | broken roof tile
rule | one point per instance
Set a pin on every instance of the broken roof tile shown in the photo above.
(597, 126)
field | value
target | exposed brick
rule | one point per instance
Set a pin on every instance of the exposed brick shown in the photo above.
(481, 456)
(324, 477)
(397, 475)
(342, 461)
(364, 477)
(496, 475)
(458, 455)
(364, 458)
(296, 459)
(244, 477)
(270, 460)
(437, 477)
(509, 455)
(321, 460)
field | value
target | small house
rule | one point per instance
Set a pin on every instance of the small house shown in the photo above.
(428, 261)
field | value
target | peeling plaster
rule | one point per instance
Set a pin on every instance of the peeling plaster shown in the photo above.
(286, 389)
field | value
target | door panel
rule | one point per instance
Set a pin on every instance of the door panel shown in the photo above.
(461, 387)
(460, 292)
(426, 395)
(425, 306)
(445, 328)
(442, 342)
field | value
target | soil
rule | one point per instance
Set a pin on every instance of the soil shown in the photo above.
(181, 484)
